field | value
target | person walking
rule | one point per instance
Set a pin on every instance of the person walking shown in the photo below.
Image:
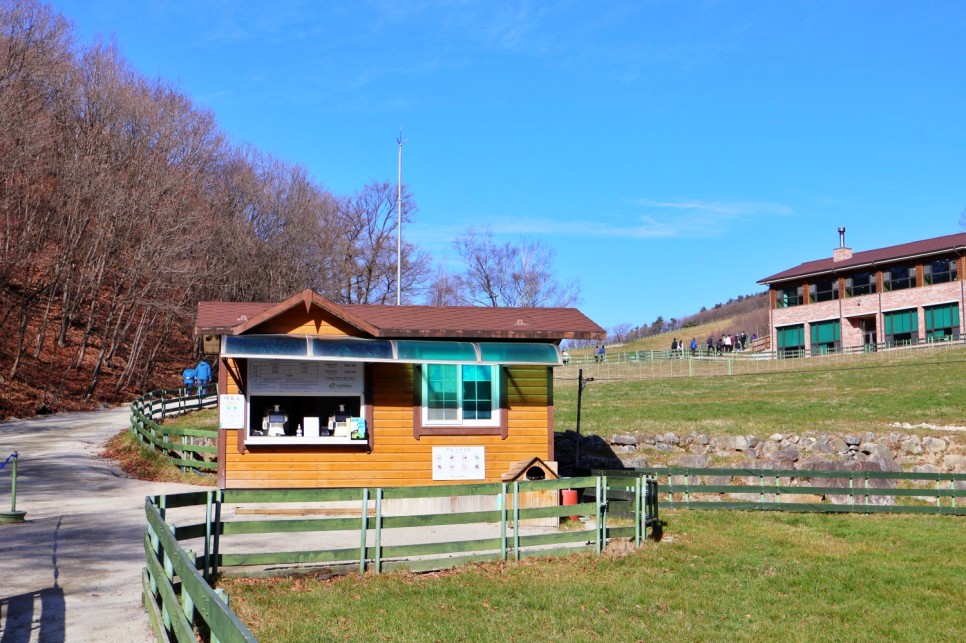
(202, 376)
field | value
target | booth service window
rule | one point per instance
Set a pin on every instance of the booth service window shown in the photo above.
(460, 395)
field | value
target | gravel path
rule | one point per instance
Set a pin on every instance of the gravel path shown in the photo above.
(72, 571)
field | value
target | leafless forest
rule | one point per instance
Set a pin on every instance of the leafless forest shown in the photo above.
(123, 205)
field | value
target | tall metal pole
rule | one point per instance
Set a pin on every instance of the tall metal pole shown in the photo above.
(399, 224)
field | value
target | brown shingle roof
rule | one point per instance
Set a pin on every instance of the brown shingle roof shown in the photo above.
(465, 322)
(937, 245)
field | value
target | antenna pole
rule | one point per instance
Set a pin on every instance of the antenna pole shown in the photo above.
(399, 224)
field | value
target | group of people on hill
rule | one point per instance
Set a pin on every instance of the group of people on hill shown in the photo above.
(725, 344)
(198, 376)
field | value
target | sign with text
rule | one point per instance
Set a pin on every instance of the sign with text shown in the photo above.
(459, 463)
(231, 411)
(266, 377)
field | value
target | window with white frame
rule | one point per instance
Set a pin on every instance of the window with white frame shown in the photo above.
(461, 395)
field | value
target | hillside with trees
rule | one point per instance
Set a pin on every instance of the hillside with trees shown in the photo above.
(123, 204)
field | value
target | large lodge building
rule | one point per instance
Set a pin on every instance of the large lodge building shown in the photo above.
(900, 295)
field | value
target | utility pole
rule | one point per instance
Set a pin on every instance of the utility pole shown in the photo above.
(400, 141)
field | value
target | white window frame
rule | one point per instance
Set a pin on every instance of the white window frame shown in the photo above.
(495, 397)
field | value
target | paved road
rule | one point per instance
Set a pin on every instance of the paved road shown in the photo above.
(72, 571)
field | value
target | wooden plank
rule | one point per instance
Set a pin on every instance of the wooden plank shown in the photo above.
(215, 613)
(289, 526)
(180, 626)
(441, 548)
(291, 495)
(291, 557)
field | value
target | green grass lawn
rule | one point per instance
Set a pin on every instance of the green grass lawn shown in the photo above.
(927, 388)
(716, 576)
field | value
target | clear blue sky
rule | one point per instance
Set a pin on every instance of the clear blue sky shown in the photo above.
(672, 153)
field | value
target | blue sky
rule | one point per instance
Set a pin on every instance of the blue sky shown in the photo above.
(671, 153)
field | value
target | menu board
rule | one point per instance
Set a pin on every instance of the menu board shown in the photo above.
(459, 463)
(303, 377)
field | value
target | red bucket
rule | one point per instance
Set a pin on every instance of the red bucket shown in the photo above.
(569, 497)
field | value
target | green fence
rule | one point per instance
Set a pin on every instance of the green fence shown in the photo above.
(383, 533)
(808, 490)
(183, 447)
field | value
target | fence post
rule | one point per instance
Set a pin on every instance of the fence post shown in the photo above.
(187, 603)
(597, 512)
(503, 515)
(215, 551)
(516, 520)
(638, 501)
(379, 530)
(365, 526)
(220, 593)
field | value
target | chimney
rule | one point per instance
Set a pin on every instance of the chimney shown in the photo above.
(841, 253)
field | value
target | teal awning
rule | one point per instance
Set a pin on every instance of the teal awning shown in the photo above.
(406, 351)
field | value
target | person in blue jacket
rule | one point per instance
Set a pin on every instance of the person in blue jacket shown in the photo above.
(189, 374)
(203, 374)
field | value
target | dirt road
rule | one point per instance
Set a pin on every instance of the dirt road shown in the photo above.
(72, 571)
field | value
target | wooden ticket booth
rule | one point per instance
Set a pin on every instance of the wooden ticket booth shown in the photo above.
(314, 394)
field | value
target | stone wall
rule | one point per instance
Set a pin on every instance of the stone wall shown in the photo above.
(944, 450)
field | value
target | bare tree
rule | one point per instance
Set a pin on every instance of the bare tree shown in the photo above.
(620, 332)
(504, 274)
(443, 288)
(357, 254)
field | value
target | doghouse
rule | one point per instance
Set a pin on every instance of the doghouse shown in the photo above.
(314, 394)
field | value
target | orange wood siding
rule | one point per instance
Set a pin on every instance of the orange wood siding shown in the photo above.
(297, 322)
(397, 458)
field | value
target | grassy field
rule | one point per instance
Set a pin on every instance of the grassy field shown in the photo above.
(926, 387)
(716, 576)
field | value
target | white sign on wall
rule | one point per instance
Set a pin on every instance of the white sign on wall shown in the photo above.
(231, 411)
(459, 463)
(269, 376)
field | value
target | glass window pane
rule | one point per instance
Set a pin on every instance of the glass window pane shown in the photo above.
(266, 345)
(417, 351)
(349, 348)
(442, 392)
(524, 353)
(477, 393)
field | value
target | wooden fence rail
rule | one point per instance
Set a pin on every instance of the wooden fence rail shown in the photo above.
(792, 490)
(378, 536)
(182, 447)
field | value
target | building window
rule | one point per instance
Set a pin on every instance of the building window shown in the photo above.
(940, 272)
(789, 296)
(823, 290)
(460, 395)
(899, 278)
(862, 283)
(826, 337)
(942, 322)
(791, 340)
(901, 327)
